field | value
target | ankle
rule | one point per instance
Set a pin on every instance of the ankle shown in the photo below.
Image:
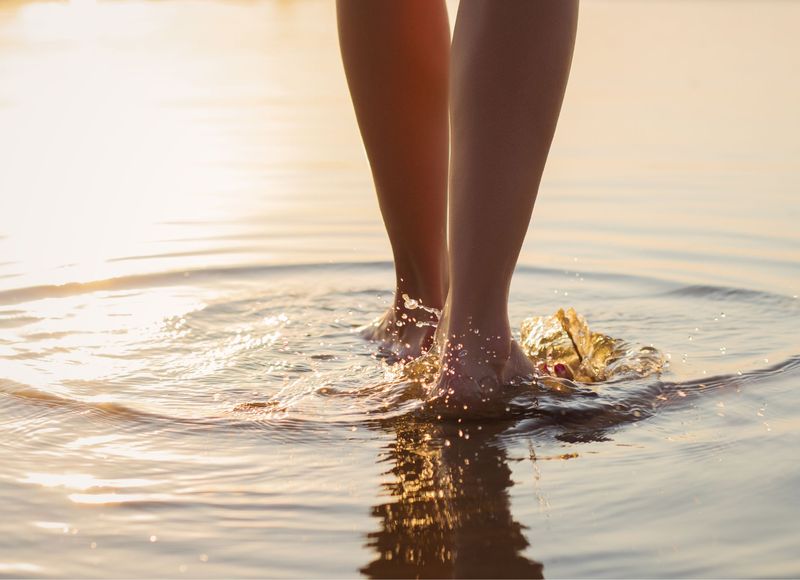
(487, 321)
(491, 344)
(426, 283)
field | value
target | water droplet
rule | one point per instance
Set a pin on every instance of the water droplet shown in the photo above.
(153, 538)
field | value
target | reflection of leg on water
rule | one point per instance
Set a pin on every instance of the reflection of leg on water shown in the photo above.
(449, 514)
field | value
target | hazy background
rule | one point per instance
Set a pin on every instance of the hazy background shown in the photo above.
(150, 136)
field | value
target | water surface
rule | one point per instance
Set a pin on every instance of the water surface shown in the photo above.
(188, 239)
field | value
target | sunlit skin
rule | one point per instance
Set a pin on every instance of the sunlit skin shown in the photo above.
(396, 57)
(508, 68)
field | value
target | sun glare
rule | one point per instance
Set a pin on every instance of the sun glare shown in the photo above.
(100, 157)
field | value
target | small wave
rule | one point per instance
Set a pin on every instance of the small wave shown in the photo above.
(34, 396)
(724, 293)
(181, 277)
(577, 419)
(577, 413)
(170, 278)
(269, 419)
(319, 379)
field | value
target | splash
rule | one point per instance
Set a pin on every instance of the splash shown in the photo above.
(563, 345)
(414, 304)
(565, 351)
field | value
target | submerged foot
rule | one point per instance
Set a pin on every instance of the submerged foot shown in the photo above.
(477, 367)
(404, 331)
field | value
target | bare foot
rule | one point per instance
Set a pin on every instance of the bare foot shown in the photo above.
(404, 331)
(477, 365)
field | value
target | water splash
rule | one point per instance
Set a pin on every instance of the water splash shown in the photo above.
(563, 345)
(567, 354)
(414, 304)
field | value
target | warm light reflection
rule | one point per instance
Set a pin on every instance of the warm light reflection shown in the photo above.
(119, 498)
(158, 154)
(98, 329)
(20, 568)
(83, 481)
(447, 508)
(101, 157)
(63, 526)
(138, 451)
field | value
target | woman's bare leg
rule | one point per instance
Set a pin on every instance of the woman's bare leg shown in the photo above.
(396, 57)
(510, 64)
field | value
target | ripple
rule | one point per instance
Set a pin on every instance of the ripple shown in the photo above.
(287, 359)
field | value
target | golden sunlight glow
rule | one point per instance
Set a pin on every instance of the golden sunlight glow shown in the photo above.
(14, 568)
(101, 315)
(191, 243)
(83, 481)
(101, 157)
(119, 498)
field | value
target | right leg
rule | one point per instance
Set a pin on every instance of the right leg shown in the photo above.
(511, 61)
(396, 57)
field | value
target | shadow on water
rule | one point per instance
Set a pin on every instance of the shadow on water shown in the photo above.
(448, 513)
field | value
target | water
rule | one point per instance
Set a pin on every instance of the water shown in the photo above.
(189, 241)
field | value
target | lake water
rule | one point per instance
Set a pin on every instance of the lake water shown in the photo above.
(188, 238)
